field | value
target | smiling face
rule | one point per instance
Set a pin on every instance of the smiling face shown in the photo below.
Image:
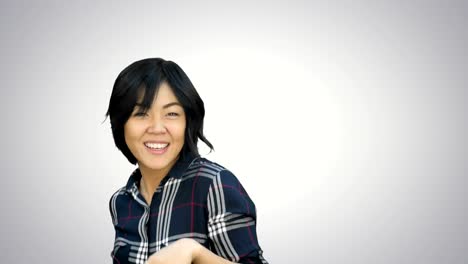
(156, 137)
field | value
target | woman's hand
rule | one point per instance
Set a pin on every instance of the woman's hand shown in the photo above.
(183, 251)
(186, 251)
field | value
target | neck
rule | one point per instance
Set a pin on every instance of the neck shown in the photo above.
(150, 179)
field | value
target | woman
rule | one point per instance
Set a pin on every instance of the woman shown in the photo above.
(176, 207)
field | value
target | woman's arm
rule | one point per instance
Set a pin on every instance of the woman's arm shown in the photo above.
(232, 221)
(231, 229)
(204, 256)
(186, 251)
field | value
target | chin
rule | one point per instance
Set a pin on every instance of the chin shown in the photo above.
(157, 165)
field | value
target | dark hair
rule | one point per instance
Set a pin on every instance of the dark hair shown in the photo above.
(148, 74)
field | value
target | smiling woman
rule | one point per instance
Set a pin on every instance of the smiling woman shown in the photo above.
(176, 207)
(155, 137)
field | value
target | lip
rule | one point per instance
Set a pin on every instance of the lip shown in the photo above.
(156, 142)
(157, 151)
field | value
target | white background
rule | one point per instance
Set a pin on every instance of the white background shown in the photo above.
(345, 121)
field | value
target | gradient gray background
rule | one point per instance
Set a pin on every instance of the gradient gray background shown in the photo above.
(345, 121)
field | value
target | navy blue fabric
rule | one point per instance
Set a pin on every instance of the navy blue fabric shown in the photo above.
(198, 199)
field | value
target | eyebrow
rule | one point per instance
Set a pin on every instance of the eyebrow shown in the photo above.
(164, 106)
(171, 104)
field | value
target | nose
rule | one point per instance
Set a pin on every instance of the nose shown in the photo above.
(156, 126)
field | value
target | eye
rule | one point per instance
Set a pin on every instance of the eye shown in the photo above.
(140, 114)
(172, 114)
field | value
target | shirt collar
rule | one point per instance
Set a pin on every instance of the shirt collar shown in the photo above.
(176, 172)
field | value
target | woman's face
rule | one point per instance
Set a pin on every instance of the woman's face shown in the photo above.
(156, 137)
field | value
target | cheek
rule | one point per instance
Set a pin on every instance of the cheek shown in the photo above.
(182, 137)
(127, 137)
(130, 133)
(180, 133)
(177, 127)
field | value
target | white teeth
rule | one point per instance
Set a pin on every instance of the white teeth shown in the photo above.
(156, 145)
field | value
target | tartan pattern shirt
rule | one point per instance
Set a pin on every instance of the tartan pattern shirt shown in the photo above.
(198, 199)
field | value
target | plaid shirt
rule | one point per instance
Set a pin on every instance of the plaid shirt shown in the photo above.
(198, 199)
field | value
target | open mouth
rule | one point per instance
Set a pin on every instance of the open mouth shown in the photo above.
(156, 148)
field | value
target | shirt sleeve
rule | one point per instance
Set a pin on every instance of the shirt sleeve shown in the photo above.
(232, 221)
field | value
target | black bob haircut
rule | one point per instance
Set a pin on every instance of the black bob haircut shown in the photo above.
(147, 75)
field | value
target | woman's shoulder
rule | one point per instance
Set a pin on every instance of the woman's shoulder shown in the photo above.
(218, 173)
(204, 166)
(128, 188)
